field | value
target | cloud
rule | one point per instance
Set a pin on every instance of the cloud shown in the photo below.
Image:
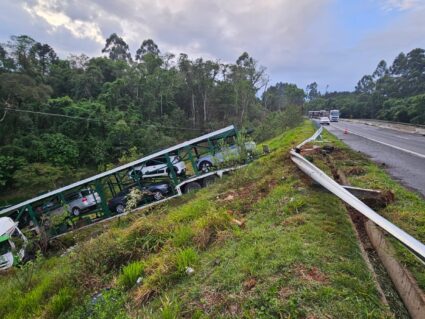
(328, 41)
(50, 12)
(389, 5)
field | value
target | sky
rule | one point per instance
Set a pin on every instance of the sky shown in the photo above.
(331, 42)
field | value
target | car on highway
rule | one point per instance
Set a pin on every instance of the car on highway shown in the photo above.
(158, 167)
(152, 192)
(207, 161)
(324, 120)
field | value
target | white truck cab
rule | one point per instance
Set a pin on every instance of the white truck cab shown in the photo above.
(12, 243)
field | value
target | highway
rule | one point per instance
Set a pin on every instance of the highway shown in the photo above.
(402, 153)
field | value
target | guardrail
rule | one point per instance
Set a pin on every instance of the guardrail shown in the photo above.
(320, 177)
(386, 122)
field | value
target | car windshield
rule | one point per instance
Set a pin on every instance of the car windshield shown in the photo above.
(86, 192)
(4, 245)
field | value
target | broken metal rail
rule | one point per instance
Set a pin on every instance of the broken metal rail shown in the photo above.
(320, 177)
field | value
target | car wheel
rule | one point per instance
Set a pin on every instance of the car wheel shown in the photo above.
(119, 209)
(205, 166)
(192, 187)
(76, 211)
(157, 195)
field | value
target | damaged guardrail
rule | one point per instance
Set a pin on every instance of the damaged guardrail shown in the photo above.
(320, 177)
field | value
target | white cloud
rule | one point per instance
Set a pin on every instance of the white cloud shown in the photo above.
(50, 13)
(401, 5)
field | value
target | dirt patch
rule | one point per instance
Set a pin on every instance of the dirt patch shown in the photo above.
(249, 283)
(295, 220)
(312, 274)
(284, 293)
(250, 194)
(355, 171)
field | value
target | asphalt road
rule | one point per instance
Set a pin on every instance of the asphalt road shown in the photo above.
(402, 153)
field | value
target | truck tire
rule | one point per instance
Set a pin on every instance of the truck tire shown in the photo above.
(192, 187)
(207, 181)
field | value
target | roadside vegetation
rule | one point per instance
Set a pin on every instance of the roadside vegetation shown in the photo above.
(260, 243)
(111, 109)
(404, 207)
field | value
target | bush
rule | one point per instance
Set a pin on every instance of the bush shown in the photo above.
(60, 302)
(186, 258)
(130, 273)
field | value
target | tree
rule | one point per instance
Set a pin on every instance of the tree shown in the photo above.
(117, 48)
(365, 85)
(148, 47)
(42, 56)
(312, 92)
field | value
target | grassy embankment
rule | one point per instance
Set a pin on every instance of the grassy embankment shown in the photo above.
(294, 256)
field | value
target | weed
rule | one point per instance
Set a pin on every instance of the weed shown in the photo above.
(60, 302)
(130, 274)
(185, 258)
(182, 236)
(170, 309)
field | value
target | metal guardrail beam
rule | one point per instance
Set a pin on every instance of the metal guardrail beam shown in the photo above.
(320, 177)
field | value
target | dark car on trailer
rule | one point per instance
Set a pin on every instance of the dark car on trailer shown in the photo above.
(152, 192)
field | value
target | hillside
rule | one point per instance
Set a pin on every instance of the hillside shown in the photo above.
(261, 243)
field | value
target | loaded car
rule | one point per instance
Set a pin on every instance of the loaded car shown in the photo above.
(81, 201)
(158, 167)
(151, 192)
(205, 162)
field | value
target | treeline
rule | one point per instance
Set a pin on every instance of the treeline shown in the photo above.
(393, 93)
(114, 108)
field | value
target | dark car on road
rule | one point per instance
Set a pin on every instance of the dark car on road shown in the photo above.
(152, 192)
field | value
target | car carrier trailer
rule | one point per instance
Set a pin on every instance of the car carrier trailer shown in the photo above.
(33, 213)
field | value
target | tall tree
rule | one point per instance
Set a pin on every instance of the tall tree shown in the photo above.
(117, 48)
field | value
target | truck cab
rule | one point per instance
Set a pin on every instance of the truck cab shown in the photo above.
(12, 243)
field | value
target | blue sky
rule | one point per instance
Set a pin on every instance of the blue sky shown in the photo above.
(332, 42)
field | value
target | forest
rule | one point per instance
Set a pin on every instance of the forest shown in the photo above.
(65, 119)
(392, 93)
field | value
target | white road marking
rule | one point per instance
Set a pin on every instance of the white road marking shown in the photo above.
(383, 143)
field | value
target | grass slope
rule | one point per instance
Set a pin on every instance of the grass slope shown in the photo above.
(406, 211)
(295, 255)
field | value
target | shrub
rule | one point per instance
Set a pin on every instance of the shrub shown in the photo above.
(130, 273)
(60, 302)
(182, 236)
(185, 258)
(170, 309)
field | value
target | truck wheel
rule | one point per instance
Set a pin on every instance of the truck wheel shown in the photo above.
(209, 180)
(76, 211)
(192, 187)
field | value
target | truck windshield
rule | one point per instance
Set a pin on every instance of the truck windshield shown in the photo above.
(335, 113)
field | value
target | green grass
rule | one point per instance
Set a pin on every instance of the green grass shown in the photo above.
(407, 211)
(295, 255)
